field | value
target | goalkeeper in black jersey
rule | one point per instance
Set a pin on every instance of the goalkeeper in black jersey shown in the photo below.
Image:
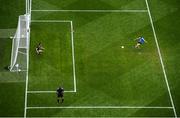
(60, 94)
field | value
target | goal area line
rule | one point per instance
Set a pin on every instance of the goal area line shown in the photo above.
(102, 107)
(49, 92)
(51, 21)
(72, 51)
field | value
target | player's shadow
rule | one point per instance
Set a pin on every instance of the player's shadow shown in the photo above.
(6, 68)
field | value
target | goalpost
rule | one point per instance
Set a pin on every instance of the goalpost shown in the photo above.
(20, 42)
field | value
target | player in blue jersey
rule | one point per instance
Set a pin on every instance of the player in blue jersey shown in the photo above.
(140, 41)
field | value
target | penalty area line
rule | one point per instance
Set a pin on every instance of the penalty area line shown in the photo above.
(161, 59)
(59, 10)
(102, 107)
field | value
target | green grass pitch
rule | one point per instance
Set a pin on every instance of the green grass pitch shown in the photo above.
(83, 42)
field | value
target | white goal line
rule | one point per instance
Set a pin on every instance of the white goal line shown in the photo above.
(49, 91)
(59, 10)
(102, 107)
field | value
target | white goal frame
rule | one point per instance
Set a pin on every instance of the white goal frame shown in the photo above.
(20, 44)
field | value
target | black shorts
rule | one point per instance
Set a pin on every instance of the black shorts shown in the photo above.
(60, 95)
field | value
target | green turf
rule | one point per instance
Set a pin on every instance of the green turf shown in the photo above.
(88, 4)
(106, 74)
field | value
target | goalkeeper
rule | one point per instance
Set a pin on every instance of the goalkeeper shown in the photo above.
(39, 49)
(140, 41)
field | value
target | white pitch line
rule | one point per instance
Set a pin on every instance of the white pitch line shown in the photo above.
(28, 36)
(161, 60)
(48, 92)
(73, 55)
(101, 107)
(50, 21)
(26, 89)
(133, 11)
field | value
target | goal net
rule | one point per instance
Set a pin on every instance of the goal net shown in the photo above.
(20, 45)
